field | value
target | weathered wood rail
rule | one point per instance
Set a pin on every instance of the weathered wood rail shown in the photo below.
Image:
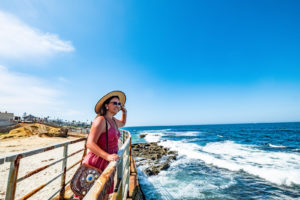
(117, 172)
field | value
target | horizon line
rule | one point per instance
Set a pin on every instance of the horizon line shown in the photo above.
(215, 124)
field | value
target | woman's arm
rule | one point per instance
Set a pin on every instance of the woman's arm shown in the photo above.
(98, 127)
(122, 122)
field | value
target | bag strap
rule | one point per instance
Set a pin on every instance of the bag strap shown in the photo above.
(115, 123)
(106, 135)
(85, 147)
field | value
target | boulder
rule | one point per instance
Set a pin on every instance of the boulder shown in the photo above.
(164, 166)
(153, 156)
(142, 135)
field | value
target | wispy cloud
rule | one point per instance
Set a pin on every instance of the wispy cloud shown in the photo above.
(62, 79)
(20, 93)
(18, 40)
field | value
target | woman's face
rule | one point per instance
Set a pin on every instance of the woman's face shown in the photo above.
(114, 105)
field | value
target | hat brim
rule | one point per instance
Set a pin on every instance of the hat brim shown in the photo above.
(120, 94)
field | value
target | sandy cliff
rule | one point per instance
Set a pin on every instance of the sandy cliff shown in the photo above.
(42, 130)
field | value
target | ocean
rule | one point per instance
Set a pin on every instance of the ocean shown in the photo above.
(232, 161)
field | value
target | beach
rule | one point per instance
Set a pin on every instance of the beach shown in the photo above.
(14, 146)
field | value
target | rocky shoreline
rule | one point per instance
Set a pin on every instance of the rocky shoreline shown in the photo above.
(153, 157)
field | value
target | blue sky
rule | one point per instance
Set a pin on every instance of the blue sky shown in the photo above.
(179, 62)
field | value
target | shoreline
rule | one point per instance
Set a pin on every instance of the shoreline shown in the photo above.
(18, 145)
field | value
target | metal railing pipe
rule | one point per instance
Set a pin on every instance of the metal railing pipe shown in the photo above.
(46, 166)
(64, 169)
(40, 150)
(119, 169)
(40, 187)
(12, 178)
(15, 162)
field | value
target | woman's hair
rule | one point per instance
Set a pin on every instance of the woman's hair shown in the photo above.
(103, 107)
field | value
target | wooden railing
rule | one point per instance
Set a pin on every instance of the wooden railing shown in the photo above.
(117, 172)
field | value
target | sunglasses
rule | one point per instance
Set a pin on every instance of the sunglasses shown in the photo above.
(116, 103)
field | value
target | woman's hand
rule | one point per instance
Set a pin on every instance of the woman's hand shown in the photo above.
(112, 157)
(122, 122)
(123, 109)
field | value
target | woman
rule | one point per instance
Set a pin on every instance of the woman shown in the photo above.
(108, 106)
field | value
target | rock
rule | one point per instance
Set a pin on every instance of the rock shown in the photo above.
(57, 132)
(153, 170)
(149, 172)
(153, 156)
(172, 157)
(166, 165)
(142, 135)
(172, 152)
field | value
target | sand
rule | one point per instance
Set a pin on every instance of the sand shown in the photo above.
(13, 146)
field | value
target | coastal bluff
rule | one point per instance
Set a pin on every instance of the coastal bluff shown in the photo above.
(30, 129)
(152, 157)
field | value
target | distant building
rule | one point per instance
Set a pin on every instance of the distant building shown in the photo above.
(5, 116)
(17, 118)
(30, 118)
(6, 119)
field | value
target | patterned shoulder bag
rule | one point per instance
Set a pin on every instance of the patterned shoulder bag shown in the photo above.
(86, 175)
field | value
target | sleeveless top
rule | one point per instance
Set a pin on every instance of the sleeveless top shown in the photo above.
(113, 137)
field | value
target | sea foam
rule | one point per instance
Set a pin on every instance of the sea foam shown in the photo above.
(154, 137)
(280, 168)
(186, 133)
(276, 146)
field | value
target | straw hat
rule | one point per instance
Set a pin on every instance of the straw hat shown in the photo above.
(120, 94)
